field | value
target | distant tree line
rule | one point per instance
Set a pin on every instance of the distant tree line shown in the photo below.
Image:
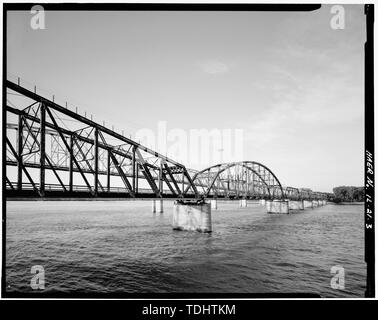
(349, 194)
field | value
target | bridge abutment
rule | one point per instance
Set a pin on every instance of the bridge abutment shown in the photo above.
(296, 205)
(277, 206)
(192, 216)
(157, 206)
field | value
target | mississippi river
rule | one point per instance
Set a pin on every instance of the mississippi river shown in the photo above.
(122, 247)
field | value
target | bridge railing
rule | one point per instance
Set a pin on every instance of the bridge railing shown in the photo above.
(79, 188)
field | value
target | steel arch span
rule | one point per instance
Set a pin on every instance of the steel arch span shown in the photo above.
(246, 179)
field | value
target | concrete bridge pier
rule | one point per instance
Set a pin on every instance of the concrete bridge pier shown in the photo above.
(262, 202)
(296, 205)
(277, 206)
(157, 206)
(191, 216)
(315, 203)
(214, 204)
(243, 203)
(307, 204)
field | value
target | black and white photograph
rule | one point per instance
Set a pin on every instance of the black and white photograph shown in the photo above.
(188, 151)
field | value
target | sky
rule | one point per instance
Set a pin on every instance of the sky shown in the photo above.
(287, 80)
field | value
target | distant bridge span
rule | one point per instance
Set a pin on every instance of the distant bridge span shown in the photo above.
(240, 179)
(52, 151)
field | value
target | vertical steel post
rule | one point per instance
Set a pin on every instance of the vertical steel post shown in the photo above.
(238, 181)
(253, 184)
(246, 182)
(108, 172)
(183, 182)
(136, 178)
(161, 177)
(42, 149)
(71, 163)
(217, 189)
(19, 151)
(134, 170)
(96, 162)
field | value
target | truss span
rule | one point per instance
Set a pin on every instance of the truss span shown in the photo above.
(247, 179)
(52, 150)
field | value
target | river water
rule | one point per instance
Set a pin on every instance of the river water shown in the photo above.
(121, 247)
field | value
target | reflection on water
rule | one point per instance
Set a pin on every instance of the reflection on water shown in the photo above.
(120, 246)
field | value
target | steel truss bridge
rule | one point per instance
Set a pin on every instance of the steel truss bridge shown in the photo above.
(46, 142)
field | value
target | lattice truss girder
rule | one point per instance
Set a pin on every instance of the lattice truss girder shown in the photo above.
(49, 137)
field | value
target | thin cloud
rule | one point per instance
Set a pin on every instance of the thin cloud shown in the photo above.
(214, 67)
